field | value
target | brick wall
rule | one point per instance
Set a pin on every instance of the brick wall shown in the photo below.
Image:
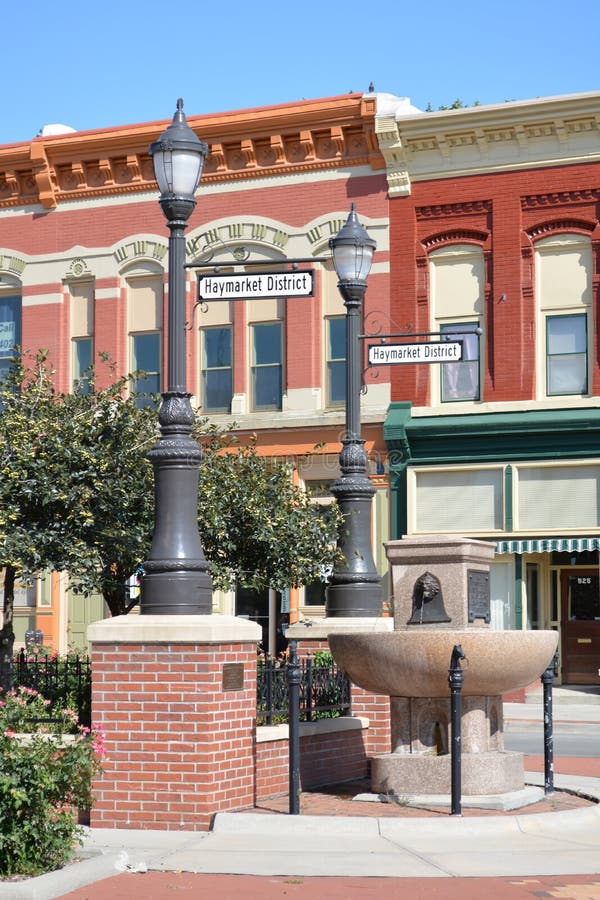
(331, 751)
(374, 707)
(179, 747)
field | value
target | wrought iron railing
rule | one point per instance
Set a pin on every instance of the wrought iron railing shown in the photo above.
(324, 691)
(63, 680)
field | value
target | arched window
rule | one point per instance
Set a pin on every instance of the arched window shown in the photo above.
(456, 294)
(563, 276)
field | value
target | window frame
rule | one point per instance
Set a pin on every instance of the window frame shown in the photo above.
(447, 329)
(255, 367)
(7, 355)
(206, 370)
(80, 380)
(331, 361)
(139, 385)
(548, 317)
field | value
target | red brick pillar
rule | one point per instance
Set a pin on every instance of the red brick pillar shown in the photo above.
(176, 697)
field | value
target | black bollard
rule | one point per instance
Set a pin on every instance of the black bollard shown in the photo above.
(294, 676)
(455, 681)
(547, 679)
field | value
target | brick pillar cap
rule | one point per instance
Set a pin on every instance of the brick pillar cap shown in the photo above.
(136, 629)
(318, 629)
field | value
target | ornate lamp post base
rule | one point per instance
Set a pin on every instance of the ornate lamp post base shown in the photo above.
(354, 588)
(176, 579)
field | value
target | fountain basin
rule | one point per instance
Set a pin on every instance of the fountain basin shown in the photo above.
(415, 663)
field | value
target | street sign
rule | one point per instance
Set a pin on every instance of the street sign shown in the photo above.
(254, 285)
(423, 352)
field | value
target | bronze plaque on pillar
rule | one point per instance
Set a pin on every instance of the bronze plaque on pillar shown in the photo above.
(233, 677)
(478, 595)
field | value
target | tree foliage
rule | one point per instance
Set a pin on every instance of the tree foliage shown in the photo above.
(76, 493)
(258, 528)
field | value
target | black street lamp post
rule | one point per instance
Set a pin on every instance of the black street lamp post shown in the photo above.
(354, 587)
(176, 580)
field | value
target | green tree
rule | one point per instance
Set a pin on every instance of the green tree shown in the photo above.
(33, 504)
(76, 494)
(258, 528)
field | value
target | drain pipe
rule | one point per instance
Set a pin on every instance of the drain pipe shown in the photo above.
(455, 681)
(547, 679)
(294, 677)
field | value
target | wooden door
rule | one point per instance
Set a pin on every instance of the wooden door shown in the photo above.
(580, 626)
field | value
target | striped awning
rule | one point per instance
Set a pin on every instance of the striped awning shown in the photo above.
(549, 545)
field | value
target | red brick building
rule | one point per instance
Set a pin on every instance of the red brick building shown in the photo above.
(83, 258)
(495, 242)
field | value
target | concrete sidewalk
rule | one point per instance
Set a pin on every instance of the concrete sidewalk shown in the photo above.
(379, 848)
(252, 844)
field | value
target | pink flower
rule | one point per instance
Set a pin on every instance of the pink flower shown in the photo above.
(9, 733)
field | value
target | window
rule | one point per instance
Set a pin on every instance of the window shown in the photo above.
(82, 364)
(566, 354)
(460, 380)
(336, 361)
(266, 366)
(564, 273)
(457, 289)
(10, 331)
(146, 359)
(217, 375)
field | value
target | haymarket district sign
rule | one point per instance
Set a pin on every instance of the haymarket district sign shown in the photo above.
(424, 352)
(251, 285)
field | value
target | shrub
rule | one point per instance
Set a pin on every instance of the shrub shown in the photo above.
(45, 776)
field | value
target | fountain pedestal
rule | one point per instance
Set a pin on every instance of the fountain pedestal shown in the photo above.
(441, 599)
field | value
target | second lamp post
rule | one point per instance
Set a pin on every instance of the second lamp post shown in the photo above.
(354, 587)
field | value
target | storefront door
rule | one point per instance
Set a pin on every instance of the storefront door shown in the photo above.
(580, 626)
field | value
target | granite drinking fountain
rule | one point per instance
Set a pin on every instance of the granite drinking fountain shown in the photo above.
(442, 600)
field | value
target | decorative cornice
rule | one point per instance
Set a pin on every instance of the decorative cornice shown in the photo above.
(560, 198)
(482, 139)
(272, 141)
(453, 209)
(457, 235)
(543, 229)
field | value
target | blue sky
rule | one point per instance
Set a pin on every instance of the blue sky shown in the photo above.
(122, 62)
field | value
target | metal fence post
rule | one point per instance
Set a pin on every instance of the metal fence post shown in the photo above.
(547, 679)
(294, 676)
(455, 681)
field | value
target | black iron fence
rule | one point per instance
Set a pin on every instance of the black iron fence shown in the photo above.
(324, 691)
(63, 680)
(67, 681)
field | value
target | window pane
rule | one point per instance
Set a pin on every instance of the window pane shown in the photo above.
(567, 354)
(217, 390)
(336, 361)
(217, 376)
(337, 382)
(267, 387)
(337, 338)
(566, 334)
(146, 357)
(460, 381)
(217, 348)
(567, 374)
(146, 352)
(267, 344)
(267, 369)
(82, 364)
(10, 325)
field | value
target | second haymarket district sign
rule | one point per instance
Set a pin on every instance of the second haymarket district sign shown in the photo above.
(424, 352)
(255, 285)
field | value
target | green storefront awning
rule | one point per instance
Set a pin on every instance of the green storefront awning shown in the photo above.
(549, 545)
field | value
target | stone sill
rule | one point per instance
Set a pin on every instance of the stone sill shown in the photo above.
(266, 733)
